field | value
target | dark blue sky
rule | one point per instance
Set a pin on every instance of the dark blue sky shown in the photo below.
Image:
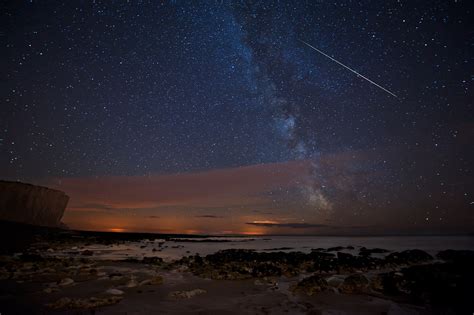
(148, 87)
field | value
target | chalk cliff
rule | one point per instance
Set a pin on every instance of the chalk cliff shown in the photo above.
(26, 203)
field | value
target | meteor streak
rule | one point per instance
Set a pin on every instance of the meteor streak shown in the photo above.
(353, 71)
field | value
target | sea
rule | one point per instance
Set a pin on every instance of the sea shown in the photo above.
(176, 248)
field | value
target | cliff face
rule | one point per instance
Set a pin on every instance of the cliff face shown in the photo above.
(31, 204)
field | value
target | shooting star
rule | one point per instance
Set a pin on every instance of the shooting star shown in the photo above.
(353, 71)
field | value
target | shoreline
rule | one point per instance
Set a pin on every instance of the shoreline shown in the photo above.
(63, 272)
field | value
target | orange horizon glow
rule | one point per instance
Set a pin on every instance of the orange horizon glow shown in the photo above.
(237, 201)
(174, 203)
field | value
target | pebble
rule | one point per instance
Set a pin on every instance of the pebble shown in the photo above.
(114, 291)
(65, 282)
(132, 283)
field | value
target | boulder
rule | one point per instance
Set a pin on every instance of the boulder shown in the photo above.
(311, 285)
(156, 280)
(65, 282)
(412, 256)
(452, 255)
(356, 283)
(441, 284)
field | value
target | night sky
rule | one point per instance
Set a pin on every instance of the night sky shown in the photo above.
(215, 117)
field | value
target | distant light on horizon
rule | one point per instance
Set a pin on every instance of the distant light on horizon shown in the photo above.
(116, 230)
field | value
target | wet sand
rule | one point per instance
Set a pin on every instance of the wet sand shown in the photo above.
(31, 296)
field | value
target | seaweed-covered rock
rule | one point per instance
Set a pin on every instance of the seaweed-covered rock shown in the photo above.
(186, 294)
(323, 262)
(356, 283)
(244, 264)
(407, 257)
(442, 284)
(350, 263)
(376, 283)
(311, 285)
(156, 280)
(84, 303)
(266, 270)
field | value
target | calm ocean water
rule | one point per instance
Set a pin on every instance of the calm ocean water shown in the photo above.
(178, 248)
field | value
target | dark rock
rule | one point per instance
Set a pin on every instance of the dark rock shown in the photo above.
(31, 257)
(413, 256)
(319, 255)
(376, 283)
(345, 256)
(351, 263)
(335, 249)
(115, 275)
(311, 285)
(244, 264)
(447, 284)
(356, 283)
(186, 294)
(266, 270)
(461, 256)
(83, 303)
(87, 252)
(152, 260)
(322, 262)
(278, 248)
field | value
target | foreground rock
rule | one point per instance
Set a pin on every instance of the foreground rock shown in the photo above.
(311, 285)
(457, 256)
(114, 292)
(83, 303)
(234, 264)
(407, 257)
(187, 294)
(65, 282)
(441, 284)
(356, 283)
(65, 268)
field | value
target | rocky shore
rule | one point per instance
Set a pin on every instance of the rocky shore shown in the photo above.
(412, 275)
(64, 273)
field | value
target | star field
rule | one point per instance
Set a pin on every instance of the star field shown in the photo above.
(150, 88)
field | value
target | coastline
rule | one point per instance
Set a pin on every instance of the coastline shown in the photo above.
(69, 271)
